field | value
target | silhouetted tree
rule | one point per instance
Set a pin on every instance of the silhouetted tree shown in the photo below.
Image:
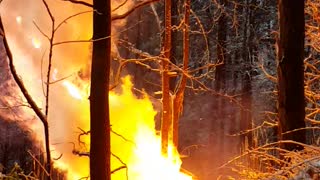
(291, 102)
(99, 94)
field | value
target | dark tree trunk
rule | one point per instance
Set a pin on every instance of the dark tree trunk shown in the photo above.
(99, 94)
(291, 102)
(247, 55)
(220, 75)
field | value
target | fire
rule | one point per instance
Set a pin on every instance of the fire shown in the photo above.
(134, 119)
(139, 147)
(134, 142)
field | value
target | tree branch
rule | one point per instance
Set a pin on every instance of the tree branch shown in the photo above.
(122, 16)
(118, 169)
(120, 5)
(80, 2)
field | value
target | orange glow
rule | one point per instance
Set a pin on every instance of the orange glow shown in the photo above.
(133, 119)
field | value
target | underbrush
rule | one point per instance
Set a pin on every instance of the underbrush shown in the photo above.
(270, 162)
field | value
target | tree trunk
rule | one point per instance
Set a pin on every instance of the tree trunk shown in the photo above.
(176, 50)
(220, 78)
(291, 102)
(178, 100)
(99, 94)
(246, 99)
(166, 122)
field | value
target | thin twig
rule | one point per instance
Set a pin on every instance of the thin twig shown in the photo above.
(80, 2)
(40, 30)
(122, 16)
(48, 83)
(124, 164)
(120, 5)
(69, 17)
(121, 136)
(118, 169)
(38, 162)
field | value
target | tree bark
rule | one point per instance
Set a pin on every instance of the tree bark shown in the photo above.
(178, 100)
(176, 50)
(291, 102)
(166, 122)
(99, 94)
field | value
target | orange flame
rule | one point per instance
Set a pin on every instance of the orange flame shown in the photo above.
(138, 146)
(74, 92)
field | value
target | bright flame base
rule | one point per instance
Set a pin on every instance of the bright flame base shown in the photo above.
(135, 142)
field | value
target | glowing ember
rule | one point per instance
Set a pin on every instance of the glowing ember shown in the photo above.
(36, 43)
(55, 74)
(73, 90)
(19, 19)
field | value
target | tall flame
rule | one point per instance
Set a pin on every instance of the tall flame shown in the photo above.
(135, 141)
